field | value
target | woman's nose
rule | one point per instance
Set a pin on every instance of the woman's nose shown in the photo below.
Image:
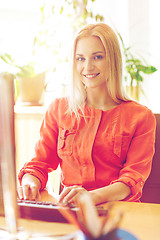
(89, 65)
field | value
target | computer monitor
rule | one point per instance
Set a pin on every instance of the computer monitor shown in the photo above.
(9, 208)
(8, 196)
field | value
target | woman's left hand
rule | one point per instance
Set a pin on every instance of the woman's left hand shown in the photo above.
(70, 194)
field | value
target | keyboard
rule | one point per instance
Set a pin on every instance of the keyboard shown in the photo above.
(44, 211)
(48, 211)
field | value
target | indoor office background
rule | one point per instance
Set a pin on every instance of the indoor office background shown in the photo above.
(29, 32)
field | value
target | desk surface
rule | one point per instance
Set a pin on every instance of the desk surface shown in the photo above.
(140, 219)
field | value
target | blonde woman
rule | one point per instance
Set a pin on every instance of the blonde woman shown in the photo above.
(103, 141)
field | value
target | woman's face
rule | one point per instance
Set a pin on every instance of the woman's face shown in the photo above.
(91, 62)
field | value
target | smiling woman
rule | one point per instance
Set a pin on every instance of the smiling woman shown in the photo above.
(96, 142)
(97, 61)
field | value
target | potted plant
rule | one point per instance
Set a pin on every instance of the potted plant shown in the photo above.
(29, 83)
(135, 68)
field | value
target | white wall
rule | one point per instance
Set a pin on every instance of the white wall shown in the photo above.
(18, 24)
(144, 35)
(154, 88)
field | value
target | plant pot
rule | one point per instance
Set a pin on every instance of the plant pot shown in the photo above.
(31, 89)
(134, 92)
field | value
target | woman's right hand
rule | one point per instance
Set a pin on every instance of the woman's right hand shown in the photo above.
(29, 189)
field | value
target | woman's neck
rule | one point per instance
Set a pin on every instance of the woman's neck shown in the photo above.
(104, 106)
(100, 99)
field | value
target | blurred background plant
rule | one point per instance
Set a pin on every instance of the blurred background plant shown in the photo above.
(135, 67)
(55, 36)
(51, 43)
(29, 84)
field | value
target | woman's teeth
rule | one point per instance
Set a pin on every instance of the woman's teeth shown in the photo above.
(91, 75)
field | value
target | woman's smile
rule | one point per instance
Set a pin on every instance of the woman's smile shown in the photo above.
(90, 76)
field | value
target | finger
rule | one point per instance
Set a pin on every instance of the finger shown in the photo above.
(26, 192)
(74, 195)
(38, 196)
(33, 193)
(64, 193)
(70, 196)
(20, 192)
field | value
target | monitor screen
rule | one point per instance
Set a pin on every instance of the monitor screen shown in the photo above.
(8, 193)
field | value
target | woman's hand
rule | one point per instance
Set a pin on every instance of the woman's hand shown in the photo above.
(29, 189)
(114, 192)
(70, 194)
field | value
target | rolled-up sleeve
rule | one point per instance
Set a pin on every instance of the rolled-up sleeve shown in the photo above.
(45, 159)
(137, 166)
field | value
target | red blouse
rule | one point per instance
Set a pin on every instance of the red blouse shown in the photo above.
(105, 147)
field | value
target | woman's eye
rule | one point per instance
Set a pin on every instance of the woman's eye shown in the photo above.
(98, 57)
(80, 59)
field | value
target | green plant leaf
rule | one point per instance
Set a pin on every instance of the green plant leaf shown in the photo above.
(139, 77)
(127, 49)
(85, 2)
(26, 71)
(134, 61)
(147, 69)
(7, 58)
(61, 11)
(99, 17)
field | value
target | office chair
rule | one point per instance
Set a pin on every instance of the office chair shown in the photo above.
(151, 190)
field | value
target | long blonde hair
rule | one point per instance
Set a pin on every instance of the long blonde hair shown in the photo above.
(110, 42)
